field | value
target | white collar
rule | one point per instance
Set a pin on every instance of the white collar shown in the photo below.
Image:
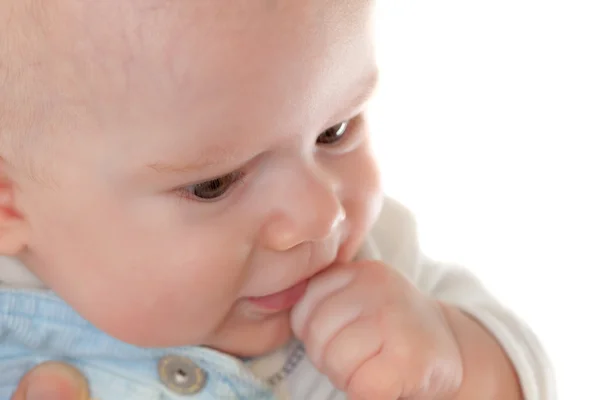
(14, 274)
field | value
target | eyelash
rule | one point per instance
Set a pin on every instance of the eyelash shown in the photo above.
(349, 132)
(238, 177)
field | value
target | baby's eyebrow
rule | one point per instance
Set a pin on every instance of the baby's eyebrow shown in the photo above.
(366, 87)
(359, 93)
(209, 157)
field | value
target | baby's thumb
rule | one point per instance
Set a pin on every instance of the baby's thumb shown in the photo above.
(52, 381)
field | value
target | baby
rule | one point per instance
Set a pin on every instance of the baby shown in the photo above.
(189, 206)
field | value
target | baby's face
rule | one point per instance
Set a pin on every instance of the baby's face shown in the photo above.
(213, 154)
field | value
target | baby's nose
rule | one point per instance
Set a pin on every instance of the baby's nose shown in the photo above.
(313, 213)
(286, 233)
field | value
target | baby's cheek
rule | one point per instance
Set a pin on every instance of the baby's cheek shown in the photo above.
(367, 179)
(362, 198)
(158, 301)
(156, 316)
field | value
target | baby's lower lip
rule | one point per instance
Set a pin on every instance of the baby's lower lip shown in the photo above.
(283, 300)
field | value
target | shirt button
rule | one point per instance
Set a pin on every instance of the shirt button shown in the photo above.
(181, 375)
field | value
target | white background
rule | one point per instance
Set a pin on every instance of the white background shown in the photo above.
(487, 126)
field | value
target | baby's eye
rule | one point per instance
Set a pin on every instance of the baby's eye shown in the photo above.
(333, 134)
(214, 188)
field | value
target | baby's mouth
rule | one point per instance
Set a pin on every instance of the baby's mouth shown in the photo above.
(281, 301)
(286, 299)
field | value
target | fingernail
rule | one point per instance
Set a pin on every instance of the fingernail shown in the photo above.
(55, 382)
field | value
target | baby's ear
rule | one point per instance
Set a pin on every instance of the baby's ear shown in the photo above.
(13, 226)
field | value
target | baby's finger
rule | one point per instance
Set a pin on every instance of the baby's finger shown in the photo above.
(52, 381)
(319, 288)
(332, 316)
(351, 348)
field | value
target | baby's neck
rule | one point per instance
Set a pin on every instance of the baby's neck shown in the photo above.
(13, 274)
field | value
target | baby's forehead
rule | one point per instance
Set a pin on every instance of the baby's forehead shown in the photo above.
(207, 64)
(117, 24)
(87, 41)
(142, 32)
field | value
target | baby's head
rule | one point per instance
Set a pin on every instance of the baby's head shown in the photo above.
(164, 162)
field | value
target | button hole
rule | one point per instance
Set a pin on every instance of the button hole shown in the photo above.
(181, 376)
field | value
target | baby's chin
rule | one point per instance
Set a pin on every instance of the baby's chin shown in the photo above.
(254, 339)
(250, 338)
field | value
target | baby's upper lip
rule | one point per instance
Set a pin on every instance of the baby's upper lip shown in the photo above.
(312, 272)
(315, 271)
(321, 255)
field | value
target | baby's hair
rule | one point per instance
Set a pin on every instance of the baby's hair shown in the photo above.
(18, 83)
(27, 98)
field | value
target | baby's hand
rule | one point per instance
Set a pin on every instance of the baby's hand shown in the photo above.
(376, 336)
